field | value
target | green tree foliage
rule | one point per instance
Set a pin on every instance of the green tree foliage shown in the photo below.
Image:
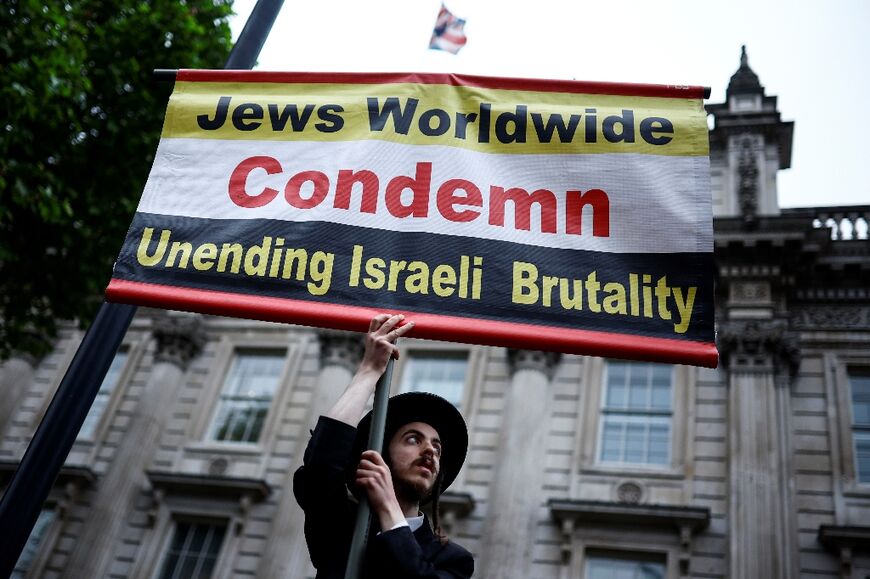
(79, 124)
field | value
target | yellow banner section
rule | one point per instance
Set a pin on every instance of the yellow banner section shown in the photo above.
(480, 119)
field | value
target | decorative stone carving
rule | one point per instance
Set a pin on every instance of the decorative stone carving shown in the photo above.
(829, 317)
(842, 294)
(685, 549)
(28, 358)
(544, 362)
(157, 497)
(218, 466)
(339, 348)
(750, 292)
(755, 345)
(567, 544)
(747, 171)
(735, 271)
(179, 337)
(629, 492)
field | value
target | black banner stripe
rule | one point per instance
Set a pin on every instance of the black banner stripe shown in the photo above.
(640, 294)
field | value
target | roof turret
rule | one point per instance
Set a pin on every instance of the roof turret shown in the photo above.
(744, 81)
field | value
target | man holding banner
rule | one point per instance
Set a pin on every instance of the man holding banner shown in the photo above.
(426, 442)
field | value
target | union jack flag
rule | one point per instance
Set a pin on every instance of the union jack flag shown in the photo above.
(449, 33)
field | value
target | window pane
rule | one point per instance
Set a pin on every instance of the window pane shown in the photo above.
(31, 547)
(441, 373)
(598, 567)
(186, 568)
(197, 537)
(635, 439)
(616, 374)
(860, 399)
(247, 395)
(661, 387)
(638, 386)
(659, 444)
(612, 440)
(172, 561)
(178, 539)
(193, 550)
(862, 456)
(254, 375)
(101, 401)
(636, 417)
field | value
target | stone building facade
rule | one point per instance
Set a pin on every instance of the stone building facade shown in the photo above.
(578, 467)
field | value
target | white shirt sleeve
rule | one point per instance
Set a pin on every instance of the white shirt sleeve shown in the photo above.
(397, 526)
(414, 523)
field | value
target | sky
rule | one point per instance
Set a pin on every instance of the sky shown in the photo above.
(813, 55)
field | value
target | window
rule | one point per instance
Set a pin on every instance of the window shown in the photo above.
(860, 389)
(636, 414)
(605, 566)
(246, 396)
(193, 551)
(745, 103)
(104, 394)
(441, 373)
(31, 547)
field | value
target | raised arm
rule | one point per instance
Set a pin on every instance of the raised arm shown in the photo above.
(380, 345)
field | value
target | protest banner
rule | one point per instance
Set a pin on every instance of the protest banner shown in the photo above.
(550, 215)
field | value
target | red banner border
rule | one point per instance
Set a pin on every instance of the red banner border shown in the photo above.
(492, 82)
(428, 326)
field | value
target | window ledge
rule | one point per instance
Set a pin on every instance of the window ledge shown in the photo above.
(682, 520)
(238, 449)
(198, 484)
(857, 491)
(79, 476)
(838, 537)
(636, 471)
(459, 505)
(584, 511)
(71, 480)
(245, 491)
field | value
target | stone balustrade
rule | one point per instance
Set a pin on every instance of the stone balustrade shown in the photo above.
(846, 223)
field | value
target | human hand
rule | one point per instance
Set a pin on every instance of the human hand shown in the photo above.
(374, 477)
(380, 341)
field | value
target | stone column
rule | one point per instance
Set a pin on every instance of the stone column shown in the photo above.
(760, 358)
(16, 374)
(286, 554)
(515, 500)
(179, 338)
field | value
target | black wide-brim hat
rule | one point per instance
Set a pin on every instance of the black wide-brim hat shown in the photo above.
(432, 410)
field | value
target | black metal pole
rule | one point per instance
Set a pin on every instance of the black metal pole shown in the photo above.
(376, 442)
(253, 37)
(55, 435)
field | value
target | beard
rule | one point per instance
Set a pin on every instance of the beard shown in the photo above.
(416, 490)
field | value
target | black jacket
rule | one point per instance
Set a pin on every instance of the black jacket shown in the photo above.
(319, 486)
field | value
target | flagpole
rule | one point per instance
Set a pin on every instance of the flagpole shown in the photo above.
(356, 555)
(33, 479)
